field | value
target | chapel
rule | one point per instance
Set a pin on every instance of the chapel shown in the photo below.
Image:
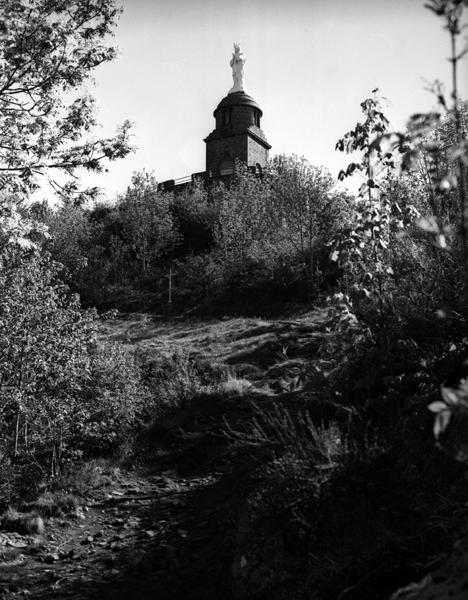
(237, 134)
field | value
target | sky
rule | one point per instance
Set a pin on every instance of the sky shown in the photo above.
(309, 65)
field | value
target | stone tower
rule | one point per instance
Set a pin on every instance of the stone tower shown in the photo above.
(237, 134)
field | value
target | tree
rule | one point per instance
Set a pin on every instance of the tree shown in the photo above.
(44, 338)
(70, 238)
(365, 138)
(438, 141)
(147, 220)
(195, 218)
(452, 12)
(244, 227)
(365, 249)
(48, 48)
(434, 166)
(272, 231)
(305, 206)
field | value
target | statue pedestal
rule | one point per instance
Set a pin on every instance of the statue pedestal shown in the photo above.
(236, 88)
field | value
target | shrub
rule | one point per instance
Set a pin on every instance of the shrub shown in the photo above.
(65, 397)
(113, 402)
(235, 386)
(174, 379)
(24, 523)
(44, 345)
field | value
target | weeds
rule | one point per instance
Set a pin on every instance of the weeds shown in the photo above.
(84, 479)
(25, 523)
(235, 386)
(291, 431)
(53, 504)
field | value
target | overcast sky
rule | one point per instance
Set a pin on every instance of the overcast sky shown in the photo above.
(309, 65)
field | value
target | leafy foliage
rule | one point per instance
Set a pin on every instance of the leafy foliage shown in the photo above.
(41, 380)
(147, 221)
(48, 357)
(365, 138)
(253, 237)
(47, 50)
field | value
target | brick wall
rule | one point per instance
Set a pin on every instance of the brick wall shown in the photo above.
(231, 138)
(216, 149)
(241, 146)
(239, 118)
(256, 153)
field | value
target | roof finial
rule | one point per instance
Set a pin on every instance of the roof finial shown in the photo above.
(237, 64)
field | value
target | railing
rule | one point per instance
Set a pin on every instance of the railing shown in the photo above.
(170, 184)
(182, 180)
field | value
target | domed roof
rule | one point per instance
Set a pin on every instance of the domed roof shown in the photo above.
(237, 99)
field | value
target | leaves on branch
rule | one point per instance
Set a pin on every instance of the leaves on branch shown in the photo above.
(48, 48)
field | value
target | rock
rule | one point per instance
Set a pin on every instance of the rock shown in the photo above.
(51, 557)
(18, 560)
(151, 533)
(78, 513)
(87, 540)
(17, 542)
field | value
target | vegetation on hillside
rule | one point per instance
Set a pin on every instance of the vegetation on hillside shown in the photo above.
(233, 247)
(332, 477)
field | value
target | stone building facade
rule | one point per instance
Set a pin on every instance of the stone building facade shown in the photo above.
(237, 136)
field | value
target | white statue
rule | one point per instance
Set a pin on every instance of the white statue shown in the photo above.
(237, 64)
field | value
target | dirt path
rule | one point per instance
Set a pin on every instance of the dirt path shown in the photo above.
(168, 532)
(136, 525)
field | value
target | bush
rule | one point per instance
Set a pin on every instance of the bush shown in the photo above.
(44, 345)
(174, 379)
(65, 397)
(113, 403)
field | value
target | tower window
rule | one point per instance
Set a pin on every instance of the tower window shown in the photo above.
(226, 116)
(227, 166)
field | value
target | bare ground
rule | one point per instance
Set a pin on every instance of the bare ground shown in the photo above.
(166, 531)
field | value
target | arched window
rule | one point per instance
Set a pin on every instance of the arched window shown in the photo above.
(226, 116)
(226, 166)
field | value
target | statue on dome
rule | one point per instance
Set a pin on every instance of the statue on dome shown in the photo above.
(237, 64)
